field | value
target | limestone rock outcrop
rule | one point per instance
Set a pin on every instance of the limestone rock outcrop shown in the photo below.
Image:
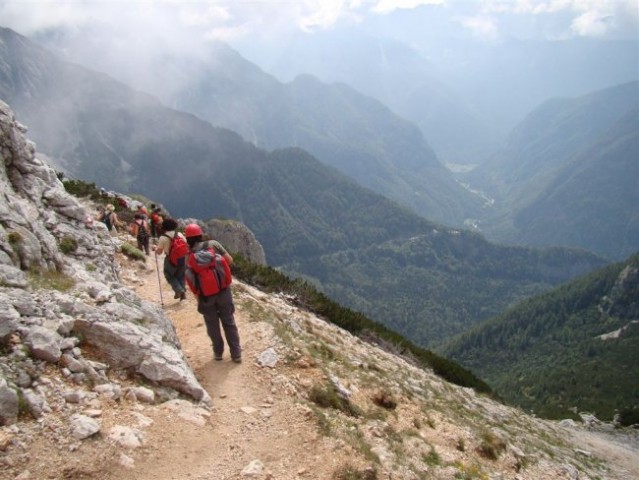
(60, 289)
(235, 236)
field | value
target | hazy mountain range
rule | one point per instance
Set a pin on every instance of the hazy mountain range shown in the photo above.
(464, 95)
(341, 127)
(569, 175)
(517, 195)
(326, 129)
(373, 254)
(566, 176)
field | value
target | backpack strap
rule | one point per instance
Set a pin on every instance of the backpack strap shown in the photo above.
(170, 243)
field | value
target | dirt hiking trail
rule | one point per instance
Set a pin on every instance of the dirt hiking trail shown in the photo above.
(259, 426)
(253, 419)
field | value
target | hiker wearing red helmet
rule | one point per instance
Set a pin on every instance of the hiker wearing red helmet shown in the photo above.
(215, 303)
(192, 230)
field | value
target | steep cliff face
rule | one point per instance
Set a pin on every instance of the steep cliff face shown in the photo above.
(60, 292)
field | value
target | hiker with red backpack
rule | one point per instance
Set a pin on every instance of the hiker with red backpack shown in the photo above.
(173, 245)
(208, 275)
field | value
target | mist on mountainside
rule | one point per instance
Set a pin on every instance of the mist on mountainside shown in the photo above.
(464, 95)
(313, 221)
(464, 72)
(464, 90)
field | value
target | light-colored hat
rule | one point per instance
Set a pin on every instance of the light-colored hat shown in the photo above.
(110, 207)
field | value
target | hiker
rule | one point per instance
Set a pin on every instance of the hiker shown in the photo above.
(218, 307)
(140, 230)
(111, 220)
(173, 245)
(143, 211)
(156, 221)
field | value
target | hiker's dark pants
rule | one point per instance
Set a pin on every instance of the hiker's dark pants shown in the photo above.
(143, 244)
(218, 309)
(175, 274)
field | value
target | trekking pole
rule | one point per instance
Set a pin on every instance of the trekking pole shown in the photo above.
(157, 269)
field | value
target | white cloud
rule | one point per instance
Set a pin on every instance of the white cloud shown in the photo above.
(28, 18)
(227, 19)
(214, 14)
(321, 13)
(592, 24)
(578, 17)
(387, 6)
(482, 26)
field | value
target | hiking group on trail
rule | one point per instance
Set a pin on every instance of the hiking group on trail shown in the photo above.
(156, 221)
(189, 259)
(203, 265)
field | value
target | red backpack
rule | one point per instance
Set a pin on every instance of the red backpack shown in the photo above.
(207, 272)
(178, 249)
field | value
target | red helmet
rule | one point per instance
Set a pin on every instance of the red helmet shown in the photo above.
(192, 230)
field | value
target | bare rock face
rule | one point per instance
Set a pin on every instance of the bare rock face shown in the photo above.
(236, 237)
(60, 289)
(623, 300)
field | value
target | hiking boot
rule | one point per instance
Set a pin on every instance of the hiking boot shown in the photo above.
(182, 296)
(218, 358)
(177, 295)
(237, 359)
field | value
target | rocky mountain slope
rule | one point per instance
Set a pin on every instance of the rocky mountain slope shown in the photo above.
(98, 381)
(278, 415)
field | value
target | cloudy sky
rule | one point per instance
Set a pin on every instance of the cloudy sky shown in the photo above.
(235, 20)
(128, 39)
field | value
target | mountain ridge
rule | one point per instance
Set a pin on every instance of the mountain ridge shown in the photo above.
(376, 62)
(358, 135)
